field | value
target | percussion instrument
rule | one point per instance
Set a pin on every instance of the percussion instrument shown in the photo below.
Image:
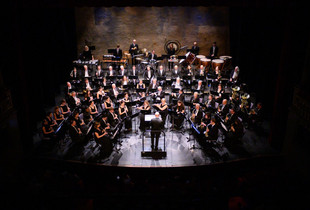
(190, 58)
(205, 62)
(217, 62)
(227, 61)
(198, 58)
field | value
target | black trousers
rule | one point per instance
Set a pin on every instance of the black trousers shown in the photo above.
(155, 134)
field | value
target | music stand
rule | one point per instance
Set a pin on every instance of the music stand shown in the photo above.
(160, 78)
(132, 77)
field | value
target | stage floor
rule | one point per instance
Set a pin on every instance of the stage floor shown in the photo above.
(181, 147)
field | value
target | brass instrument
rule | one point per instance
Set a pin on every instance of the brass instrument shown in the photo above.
(244, 101)
(235, 93)
(206, 133)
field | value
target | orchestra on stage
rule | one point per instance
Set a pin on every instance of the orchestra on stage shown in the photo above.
(102, 97)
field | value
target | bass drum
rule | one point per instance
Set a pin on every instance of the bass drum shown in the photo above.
(217, 62)
(190, 58)
(227, 62)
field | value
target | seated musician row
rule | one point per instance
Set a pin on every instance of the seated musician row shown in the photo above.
(150, 73)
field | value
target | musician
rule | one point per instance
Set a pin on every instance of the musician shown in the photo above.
(87, 85)
(197, 114)
(87, 117)
(204, 122)
(111, 73)
(201, 71)
(124, 112)
(170, 52)
(79, 122)
(118, 53)
(140, 85)
(153, 85)
(133, 50)
(179, 117)
(231, 117)
(159, 94)
(48, 131)
(223, 109)
(195, 99)
(74, 75)
(58, 117)
(74, 100)
(75, 132)
(133, 71)
(104, 124)
(178, 96)
(177, 84)
(161, 72)
(99, 95)
(236, 131)
(127, 100)
(212, 130)
(256, 115)
(51, 121)
(176, 72)
(234, 75)
(122, 71)
(125, 81)
(199, 86)
(163, 110)
(148, 73)
(68, 89)
(88, 97)
(64, 108)
(114, 92)
(195, 48)
(213, 51)
(86, 54)
(156, 125)
(152, 56)
(210, 103)
(145, 109)
(102, 138)
(86, 72)
(112, 117)
(108, 103)
(93, 109)
(188, 72)
(99, 72)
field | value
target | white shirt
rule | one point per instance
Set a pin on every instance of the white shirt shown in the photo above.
(86, 73)
(235, 75)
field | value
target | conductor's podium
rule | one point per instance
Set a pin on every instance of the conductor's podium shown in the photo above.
(146, 145)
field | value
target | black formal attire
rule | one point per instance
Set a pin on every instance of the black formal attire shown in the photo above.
(143, 112)
(113, 93)
(224, 109)
(48, 128)
(178, 118)
(74, 134)
(118, 53)
(231, 119)
(133, 52)
(105, 142)
(86, 55)
(113, 122)
(213, 132)
(99, 73)
(163, 113)
(170, 52)
(152, 87)
(210, 105)
(199, 88)
(148, 74)
(175, 73)
(84, 73)
(74, 75)
(65, 108)
(214, 51)
(198, 116)
(127, 120)
(152, 57)
(161, 73)
(195, 50)
(156, 126)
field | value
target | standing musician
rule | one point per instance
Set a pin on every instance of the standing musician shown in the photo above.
(163, 110)
(156, 125)
(86, 54)
(170, 52)
(145, 109)
(133, 50)
(124, 113)
(179, 116)
(118, 53)
(213, 51)
(195, 48)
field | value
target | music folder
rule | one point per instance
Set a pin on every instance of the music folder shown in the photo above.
(161, 78)
(140, 90)
(133, 77)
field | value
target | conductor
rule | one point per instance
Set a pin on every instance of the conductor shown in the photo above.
(156, 125)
